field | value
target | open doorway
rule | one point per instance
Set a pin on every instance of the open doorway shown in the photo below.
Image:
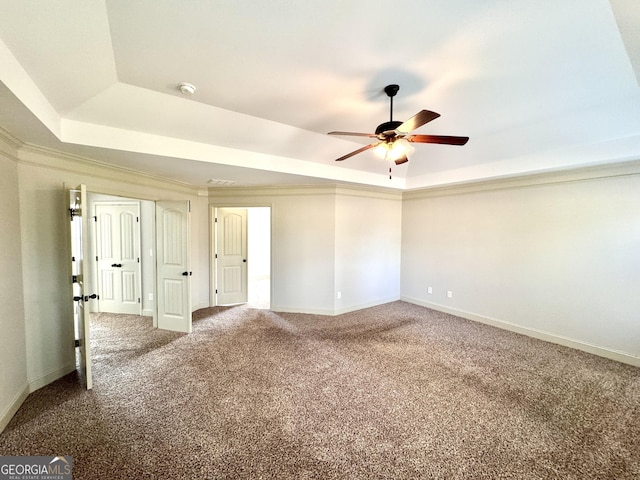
(142, 288)
(165, 224)
(259, 250)
(241, 256)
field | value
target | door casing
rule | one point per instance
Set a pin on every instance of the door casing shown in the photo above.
(213, 212)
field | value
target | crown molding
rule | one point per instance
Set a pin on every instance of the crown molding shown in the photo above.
(297, 190)
(9, 143)
(44, 157)
(579, 174)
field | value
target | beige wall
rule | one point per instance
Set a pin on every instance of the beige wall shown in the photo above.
(44, 224)
(558, 258)
(326, 239)
(554, 256)
(13, 357)
(367, 252)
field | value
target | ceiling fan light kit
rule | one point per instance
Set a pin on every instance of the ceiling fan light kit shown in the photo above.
(394, 138)
(394, 151)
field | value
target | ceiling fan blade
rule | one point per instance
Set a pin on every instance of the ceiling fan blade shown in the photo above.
(419, 119)
(353, 134)
(402, 160)
(360, 150)
(442, 139)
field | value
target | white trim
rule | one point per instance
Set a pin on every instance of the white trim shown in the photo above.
(50, 377)
(30, 387)
(532, 332)
(115, 138)
(231, 194)
(310, 311)
(14, 405)
(199, 306)
(335, 312)
(8, 140)
(576, 174)
(354, 308)
(43, 157)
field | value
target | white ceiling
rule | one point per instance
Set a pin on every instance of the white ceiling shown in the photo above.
(537, 86)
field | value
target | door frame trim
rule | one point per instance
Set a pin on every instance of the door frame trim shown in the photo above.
(212, 243)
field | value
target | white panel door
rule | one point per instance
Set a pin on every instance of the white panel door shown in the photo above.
(231, 256)
(173, 266)
(81, 279)
(118, 252)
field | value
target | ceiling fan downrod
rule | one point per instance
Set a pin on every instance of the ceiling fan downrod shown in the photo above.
(387, 133)
(391, 91)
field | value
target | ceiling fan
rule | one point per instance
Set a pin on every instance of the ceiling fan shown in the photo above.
(393, 137)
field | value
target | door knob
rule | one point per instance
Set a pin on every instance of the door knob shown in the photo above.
(119, 265)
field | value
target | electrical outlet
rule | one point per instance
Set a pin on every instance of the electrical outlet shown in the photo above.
(429, 290)
(449, 294)
(151, 297)
(339, 295)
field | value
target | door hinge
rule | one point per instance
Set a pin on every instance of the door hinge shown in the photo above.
(95, 218)
(138, 219)
(76, 343)
(139, 301)
(215, 220)
(138, 259)
(216, 291)
(216, 256)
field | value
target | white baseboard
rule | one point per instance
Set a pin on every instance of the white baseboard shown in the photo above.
(11, 409)
(52, 376)
(311, 311)
(199, 306)
(337, 311)
(362, 306)
(147, 312)
(30, 387)
(532, 332)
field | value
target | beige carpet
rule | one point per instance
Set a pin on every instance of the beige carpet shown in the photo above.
(395, 392)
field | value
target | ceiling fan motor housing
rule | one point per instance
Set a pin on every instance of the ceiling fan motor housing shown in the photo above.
(388, 127)
(388, 133)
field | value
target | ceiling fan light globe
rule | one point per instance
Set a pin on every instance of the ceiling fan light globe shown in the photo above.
(398, 149)
(381, 150)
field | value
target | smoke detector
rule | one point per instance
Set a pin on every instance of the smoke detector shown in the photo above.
(187, 88)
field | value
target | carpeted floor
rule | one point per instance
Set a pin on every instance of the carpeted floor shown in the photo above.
(395, 392)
